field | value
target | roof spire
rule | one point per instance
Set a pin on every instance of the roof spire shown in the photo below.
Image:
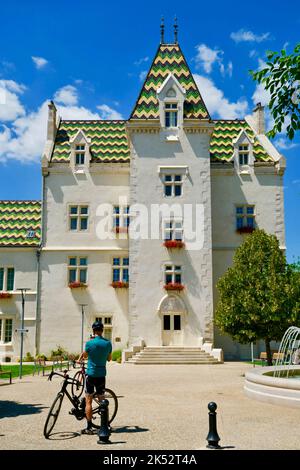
(162, 30)
(175, 30)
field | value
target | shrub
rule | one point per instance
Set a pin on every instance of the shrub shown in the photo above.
(42, 356)
(60, 351)
(117, 355)
(28, 357)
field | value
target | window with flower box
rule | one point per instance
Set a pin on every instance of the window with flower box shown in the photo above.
(173, 277)
(121, 219)
(120, 272)
(77, 271)
(6, 329)
(78, 217)
(173, 233)
(245, 218)
(7, 278)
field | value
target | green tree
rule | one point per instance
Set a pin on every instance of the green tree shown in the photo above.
(281, 77)
(259, 293)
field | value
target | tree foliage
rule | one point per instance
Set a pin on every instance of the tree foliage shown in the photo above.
(259, 293)
(281, 77)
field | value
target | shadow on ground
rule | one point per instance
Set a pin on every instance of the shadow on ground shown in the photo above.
(63, 436)
(129, 429)
(11, 409)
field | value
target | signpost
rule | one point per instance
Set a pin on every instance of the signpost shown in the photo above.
(82, 322)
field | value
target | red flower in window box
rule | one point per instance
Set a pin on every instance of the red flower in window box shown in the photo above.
(121, 229)
(247, 229)
(174, 286)
(174, 244)
(5, 295)
(119, 284)
(76, 285)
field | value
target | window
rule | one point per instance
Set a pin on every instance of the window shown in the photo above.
(121, 217)
(173, 230)
(245, 216)
(173, 185)
(107, 323)
(171, 114)
(78, 218)
(244, 154)
(78, 269)
(80, 155)
(6, 329)
(173, 274)
(120, 270)
(7, 279)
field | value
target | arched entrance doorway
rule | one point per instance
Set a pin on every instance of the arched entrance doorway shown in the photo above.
(172, 312)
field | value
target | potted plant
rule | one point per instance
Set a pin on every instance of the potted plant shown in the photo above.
(120, 229)
(174, 286)
(174, 244)
(77, 284)
(119, 284)
(246, 229)
(5, 295)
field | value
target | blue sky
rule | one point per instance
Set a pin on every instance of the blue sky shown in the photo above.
(91, 57)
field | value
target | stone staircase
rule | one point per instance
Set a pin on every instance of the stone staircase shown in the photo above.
(172, 355)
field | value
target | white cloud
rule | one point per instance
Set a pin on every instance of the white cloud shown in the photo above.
(206, 58)
(141, 61)
(39, 62)
(284, 144)
(108, 113)
(216, 103)
(10, 105)
(248, 36)
(143, 75)
(67, 95)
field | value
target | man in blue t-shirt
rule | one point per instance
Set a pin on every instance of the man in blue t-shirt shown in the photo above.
(98, 351)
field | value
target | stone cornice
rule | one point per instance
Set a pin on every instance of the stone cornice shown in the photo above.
(143, 126)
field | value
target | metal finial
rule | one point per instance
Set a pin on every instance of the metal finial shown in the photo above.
(175, 30)
(162, 30)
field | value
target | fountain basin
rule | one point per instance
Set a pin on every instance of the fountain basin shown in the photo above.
(260, 385)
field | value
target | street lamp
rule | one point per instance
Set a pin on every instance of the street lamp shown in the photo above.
(82, 319)
(22, 329)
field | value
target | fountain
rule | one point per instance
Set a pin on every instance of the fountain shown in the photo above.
(279, 384)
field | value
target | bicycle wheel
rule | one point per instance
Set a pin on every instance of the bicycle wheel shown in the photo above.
(78, 386)
(112, 407)
(53, 414)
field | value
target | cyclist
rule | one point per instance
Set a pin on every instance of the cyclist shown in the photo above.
(98, 352)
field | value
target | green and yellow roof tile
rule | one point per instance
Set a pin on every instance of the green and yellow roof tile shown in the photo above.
(108, 140)
(169, 59)
(20, 223)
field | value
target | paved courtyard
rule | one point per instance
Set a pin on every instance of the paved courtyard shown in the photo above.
(160, 407)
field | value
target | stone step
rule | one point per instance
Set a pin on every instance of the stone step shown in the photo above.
(165, 361)
(172, 355)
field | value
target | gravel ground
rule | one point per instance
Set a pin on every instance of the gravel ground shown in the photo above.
(160, 407)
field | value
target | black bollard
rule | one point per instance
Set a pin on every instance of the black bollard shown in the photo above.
(213, 436)
(104, 431)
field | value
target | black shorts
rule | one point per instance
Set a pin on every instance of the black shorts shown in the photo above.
(93, 383)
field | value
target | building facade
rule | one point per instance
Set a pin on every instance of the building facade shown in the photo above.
(112, 236)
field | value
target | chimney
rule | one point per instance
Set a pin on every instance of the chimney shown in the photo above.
(51, 128)
(259, 118)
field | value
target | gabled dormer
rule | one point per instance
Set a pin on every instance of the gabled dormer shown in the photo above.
(171, 96)
(80, 152)
(243, 153)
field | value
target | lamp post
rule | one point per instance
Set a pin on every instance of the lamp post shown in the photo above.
(82, 319)
(22, 329)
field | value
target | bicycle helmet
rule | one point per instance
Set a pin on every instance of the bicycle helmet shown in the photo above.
(97, 325)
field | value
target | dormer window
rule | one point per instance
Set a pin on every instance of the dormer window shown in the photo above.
(171, 115)
(244, 154)
(79, 154)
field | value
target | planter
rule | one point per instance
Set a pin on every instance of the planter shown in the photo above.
(245, 230)
(120, 285)
(5, 295)
(174, 244)
(120, 229)
(76, 285)
(174, 286)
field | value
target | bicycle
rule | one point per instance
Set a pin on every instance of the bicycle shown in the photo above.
(79, 405)
(78, 387)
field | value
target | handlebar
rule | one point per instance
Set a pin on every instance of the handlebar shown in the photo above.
(64, 375)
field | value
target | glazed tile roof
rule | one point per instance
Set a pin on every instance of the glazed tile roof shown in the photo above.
(225, 132)
(169, 59)
(20, 223)
(108, 140)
